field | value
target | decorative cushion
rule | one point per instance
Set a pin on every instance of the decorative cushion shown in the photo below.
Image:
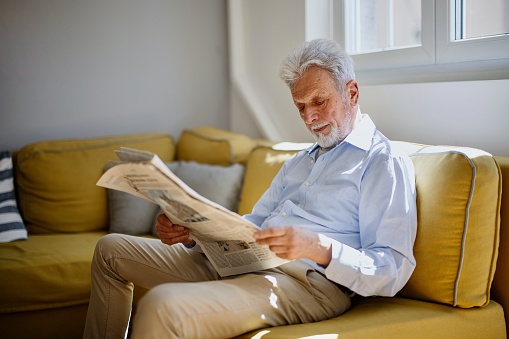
(56, 180)
(210, 145)
(130, 214)
(262, 166)
(11, 224)
(220, 184)
(458, 203)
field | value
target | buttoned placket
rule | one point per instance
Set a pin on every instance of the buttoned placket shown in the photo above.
(316, 169)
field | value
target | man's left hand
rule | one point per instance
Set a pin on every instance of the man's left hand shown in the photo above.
(290, 242)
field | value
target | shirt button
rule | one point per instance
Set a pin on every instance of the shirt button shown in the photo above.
(283, 214)
(307, 183)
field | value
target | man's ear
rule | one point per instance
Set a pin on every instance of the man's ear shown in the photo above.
(352, 90)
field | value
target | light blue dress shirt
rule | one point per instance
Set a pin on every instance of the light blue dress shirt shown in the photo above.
(361, 197)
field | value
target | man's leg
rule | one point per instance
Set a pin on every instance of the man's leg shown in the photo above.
(293, 293)
(119, 262)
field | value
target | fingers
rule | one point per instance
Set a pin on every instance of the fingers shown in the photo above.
(170, 233)
(289, 242)
(272, 232)
(162, 219)
(282, 240)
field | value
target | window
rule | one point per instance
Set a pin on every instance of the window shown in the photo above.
(425, 38)
(480, 19)
(377, 25)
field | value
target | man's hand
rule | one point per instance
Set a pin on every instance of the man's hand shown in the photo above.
(170, 233)
(289, 242)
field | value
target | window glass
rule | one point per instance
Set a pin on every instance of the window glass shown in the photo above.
(376, 25)
(476, 19)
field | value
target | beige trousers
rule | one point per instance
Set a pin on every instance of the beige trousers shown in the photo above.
(187, 298)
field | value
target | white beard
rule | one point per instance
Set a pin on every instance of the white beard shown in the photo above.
(328, 140)
(335, 136)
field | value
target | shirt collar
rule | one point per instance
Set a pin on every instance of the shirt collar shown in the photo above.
(362, 134)
(360, 137)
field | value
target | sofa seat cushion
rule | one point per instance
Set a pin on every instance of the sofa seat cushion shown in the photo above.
(56, 180)
(398, 318)
(47, 271)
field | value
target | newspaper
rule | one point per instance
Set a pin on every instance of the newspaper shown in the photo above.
(224, 236)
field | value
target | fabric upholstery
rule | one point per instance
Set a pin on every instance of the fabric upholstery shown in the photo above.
(59, 322)
(47, 271)
(11, 224)
(56, 180)
(499, 289)
(130, 214)
(262, 166)
(220, 184)
(458, 202)
(210, 145)
(397, 318)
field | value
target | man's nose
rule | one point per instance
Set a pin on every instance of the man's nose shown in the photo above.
(309, 115)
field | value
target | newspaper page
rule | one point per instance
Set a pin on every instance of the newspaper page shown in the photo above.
(224, 236)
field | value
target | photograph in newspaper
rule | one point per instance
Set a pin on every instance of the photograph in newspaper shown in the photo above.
(224, 236)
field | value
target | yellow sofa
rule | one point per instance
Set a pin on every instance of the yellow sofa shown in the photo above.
(459, 288)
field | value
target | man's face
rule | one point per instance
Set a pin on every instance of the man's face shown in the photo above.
(328, 115)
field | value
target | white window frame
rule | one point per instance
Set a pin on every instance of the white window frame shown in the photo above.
(439, 58)
(450, 50)
(391, 58)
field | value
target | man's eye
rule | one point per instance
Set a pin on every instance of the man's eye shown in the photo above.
(319, 103)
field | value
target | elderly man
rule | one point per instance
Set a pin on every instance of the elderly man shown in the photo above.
(343, 210)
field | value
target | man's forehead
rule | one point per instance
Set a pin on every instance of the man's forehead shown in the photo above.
(314, 82)
(309, 95)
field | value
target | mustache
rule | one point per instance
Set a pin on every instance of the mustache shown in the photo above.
(318, 126)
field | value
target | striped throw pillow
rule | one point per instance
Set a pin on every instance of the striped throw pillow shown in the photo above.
(11, 224)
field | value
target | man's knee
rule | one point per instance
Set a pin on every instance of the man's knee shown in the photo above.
(161, 298)
(163, 307)
(106, 248)
(108, 244)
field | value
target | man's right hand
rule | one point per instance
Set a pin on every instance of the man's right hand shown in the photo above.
(171, 233)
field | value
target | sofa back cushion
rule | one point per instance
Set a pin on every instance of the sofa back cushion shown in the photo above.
(56, 180)
(458, 204)
(261, 167)
(213, 146)
(499, 290)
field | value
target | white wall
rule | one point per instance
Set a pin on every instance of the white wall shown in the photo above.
(262, 32)
(73, 68)
(465, 113)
